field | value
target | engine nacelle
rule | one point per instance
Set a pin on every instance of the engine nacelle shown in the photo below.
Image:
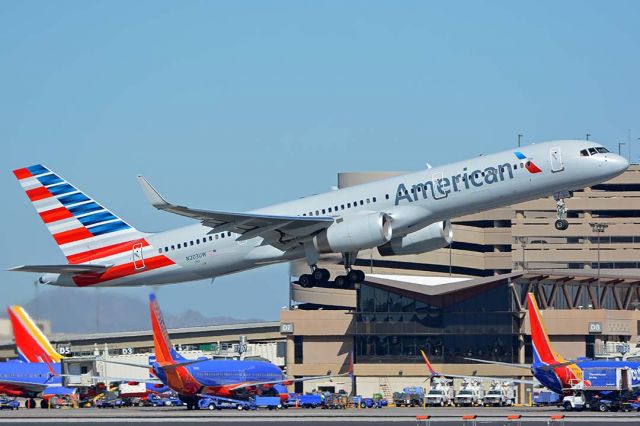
(353, 233)
(435, 236)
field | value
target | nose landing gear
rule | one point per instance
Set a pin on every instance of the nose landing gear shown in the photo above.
(561, 223)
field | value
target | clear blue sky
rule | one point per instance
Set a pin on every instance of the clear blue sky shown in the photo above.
(236, 105)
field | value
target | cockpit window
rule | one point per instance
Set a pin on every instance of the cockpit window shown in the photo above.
(592, 151)
(584, 153)
(602, 149)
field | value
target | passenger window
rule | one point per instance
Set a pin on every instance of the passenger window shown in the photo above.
(515, 166)
(304, 214)
(368, 201)
(310, 213)
(216, 236)
(386, 196)
(348, 205)
(173, 247)
(222, 235)
(166, 249)
(178, 246)
(160, 250)
(335, 208)
(361, 202)
(374, 199)
(198, 241)
(185, 244)
(342, 207)
(210, 238)
(228, 234)
(324, 211)
(329, 209)
(317, 212)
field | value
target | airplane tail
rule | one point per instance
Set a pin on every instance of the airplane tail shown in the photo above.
(83, 229)
(31, 343)
(543, 352)
(165, 353)
(429, 366)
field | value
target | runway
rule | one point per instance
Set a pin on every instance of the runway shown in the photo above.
(352, 417)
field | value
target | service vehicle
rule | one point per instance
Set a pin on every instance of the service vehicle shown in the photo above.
(501, 393)
(9, 404)
(411, 396)
(471, 393)
(440, 393)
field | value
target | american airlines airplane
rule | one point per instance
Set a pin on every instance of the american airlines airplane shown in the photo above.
(406, 214)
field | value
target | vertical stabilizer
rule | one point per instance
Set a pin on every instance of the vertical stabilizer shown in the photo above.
(82, 228)
(165, 354)
(31, 343)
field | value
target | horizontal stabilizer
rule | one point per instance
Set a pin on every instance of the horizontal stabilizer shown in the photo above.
(62, 269)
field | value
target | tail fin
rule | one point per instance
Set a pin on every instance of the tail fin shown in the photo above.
(165, 354)
(543, 353)
(32, 344)
(429, 366)
(78, 224)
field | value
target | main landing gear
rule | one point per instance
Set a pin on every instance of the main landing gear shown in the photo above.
(561, 223)
(322, 276)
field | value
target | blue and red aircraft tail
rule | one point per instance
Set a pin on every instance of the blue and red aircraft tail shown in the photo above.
(83, 229)
(31, 343)
(165, 353)
(543, 352)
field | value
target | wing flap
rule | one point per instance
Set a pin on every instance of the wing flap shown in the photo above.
(62, 269)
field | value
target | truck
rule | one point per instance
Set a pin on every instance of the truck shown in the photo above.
(501, 393)
(440, 393)
(411, 396)
(470, 394)
(601, 388)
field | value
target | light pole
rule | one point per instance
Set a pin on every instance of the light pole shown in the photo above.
(599, 228)
(523, 244)
(519, 138)
(588, 134)
(620, 147)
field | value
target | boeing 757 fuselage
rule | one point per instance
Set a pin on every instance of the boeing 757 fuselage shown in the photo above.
(406, 214)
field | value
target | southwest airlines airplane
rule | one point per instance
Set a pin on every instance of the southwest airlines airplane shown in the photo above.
(36, 374)
(226, 379)
(407, 214)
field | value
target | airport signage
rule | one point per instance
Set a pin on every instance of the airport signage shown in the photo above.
(64, 348)
(286, 327)
(595, 327)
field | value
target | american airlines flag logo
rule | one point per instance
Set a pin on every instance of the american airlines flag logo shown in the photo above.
(528, 164)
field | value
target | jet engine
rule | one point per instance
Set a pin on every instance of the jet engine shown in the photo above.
(432, 237)
(353, 233)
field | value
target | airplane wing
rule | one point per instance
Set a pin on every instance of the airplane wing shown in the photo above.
(27, 387)
(62, 269)
(434, 373)
(249, 224)
(283, 381)
(506, 364)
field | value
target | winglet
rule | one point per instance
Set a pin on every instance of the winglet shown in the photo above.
(429, 366)
(152, 194)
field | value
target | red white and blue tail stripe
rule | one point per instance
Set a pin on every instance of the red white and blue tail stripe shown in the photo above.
(78, 224)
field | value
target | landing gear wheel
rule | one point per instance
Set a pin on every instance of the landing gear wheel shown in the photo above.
(30, 403)
(562, 224)
(306, 280)
(321, 275)
(44, 403)
(341, 281)
(355, 276)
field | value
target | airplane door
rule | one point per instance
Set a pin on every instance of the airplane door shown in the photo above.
(438, 190)
(556, 160)
(138, 259)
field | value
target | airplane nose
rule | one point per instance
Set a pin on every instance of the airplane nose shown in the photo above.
(618, 163)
